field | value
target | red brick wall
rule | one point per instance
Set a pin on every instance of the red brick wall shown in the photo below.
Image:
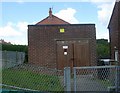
(42, 41)
(119, 29)
(114, 29)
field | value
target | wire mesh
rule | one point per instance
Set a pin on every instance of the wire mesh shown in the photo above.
(27, 77)
(99, 78)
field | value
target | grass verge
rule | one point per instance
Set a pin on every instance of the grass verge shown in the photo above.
(31, 80)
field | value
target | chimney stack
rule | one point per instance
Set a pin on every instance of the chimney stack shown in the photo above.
(50, 12)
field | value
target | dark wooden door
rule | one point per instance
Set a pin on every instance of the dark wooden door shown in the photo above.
(81, 53)
(77, 54)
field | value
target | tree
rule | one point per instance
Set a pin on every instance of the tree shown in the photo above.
(103, 48)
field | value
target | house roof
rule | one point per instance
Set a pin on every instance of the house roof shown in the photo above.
(51, 19)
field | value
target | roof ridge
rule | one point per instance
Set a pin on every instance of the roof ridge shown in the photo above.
(53, 16)
(61, 19)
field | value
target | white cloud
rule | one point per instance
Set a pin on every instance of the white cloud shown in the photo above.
(20, 1)
(56, 1)
(102, 35)
(104, 12)
(22, 26)
(99, 1)
(14, 33)
(68, 15)
(105, 8)
(101, 32)
(9, 30)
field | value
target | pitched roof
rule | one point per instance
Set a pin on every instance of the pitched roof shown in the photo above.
(51, 19)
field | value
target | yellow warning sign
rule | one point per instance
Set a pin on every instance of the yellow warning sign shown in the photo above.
(62, 30)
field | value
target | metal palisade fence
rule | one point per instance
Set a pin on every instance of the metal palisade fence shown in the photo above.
(12, 58)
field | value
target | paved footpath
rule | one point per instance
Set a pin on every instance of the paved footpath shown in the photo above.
(88, 83)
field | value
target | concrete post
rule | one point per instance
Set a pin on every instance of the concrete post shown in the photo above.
(117, 81)
(67, 79)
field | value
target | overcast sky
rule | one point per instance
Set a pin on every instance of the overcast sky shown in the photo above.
(17, 14)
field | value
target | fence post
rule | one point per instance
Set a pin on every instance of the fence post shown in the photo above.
(64, 77)
(21, 58)
(67, 79)
(117, 79)
(117, 71)
(5, 59)
(74, 71)
(16, 58)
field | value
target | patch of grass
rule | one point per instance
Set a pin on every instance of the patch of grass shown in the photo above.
(31, 80)
(106, 82)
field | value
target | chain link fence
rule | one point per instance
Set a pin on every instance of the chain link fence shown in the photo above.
(18, 76)
(97, 79)
(11, 58)
(21, 77)
(32, 78)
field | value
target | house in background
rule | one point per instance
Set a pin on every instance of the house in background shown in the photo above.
(114, 30)
(55, 43)
(2, 41)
